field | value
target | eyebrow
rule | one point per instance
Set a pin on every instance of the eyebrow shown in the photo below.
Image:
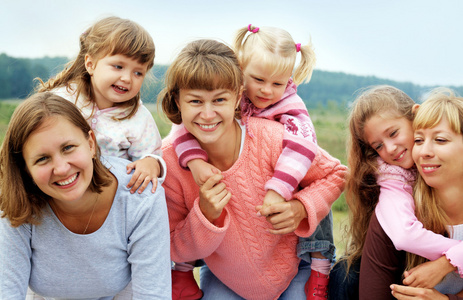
(215, 95)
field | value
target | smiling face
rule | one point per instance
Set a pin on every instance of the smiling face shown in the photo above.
(58, 157)
(438, 155)
(115, 78)
(391, 138)
(261, 86)
(208, 115)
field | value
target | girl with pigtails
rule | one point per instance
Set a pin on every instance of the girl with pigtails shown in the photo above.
(267, 57)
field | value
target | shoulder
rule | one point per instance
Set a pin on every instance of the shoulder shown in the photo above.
(391, 172)
(260, 125)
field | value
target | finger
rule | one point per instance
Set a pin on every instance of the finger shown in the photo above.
(155, 184)
(144, 185)
(133, 180)
(211, 182)
(270, 210)
(130, 167)
(281, 231)
(138, 184)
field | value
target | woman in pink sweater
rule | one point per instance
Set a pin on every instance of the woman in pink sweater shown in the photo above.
(250, 250)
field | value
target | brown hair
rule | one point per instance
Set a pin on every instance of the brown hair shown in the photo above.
(21, 201)
(362, 191)
(202, 64)
(109, 36)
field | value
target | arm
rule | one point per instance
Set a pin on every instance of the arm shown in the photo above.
(192, 235)
(404, 292)
(428, 274)
(15, 260)
(322, 185)
(144, 151)
(149, 249)
(396, 214)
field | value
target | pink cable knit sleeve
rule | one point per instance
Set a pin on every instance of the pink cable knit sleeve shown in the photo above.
(323, 184)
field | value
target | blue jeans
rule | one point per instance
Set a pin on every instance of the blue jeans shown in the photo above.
(320, 241)
(344, 285)
(214, 289)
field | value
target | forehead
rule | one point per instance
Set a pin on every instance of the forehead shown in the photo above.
(52, 130)
(257, 68)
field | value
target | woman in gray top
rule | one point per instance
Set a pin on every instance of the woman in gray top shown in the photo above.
(70, 228)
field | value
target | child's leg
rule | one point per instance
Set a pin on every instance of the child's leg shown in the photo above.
(184, 285)
(319, 251)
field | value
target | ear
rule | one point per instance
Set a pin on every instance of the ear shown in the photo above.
(89, 64)
(415, 109)
(92, 143)
(240, 95)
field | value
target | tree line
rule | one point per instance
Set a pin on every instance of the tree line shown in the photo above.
(326, 89)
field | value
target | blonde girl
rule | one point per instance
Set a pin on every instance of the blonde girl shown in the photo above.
(104, 82)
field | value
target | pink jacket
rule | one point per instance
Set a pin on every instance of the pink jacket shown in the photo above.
(396, 214)
(242, 254)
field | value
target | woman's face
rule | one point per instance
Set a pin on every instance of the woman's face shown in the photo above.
(438, 155)
(58, 157)
(208, 115)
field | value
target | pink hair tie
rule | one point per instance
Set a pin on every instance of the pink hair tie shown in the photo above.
(298, 47)
(256, 29)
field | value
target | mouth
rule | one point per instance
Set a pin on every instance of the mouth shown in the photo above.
(119, 89)
(401, 155)
(208, 126)
(68, 180)
(429, 169)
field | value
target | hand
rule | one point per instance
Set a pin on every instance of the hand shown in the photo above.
(201, 170)
(213, 196)
(428, 274)
(146, 170)
(272, 198)
(408, 292)
(285, 217)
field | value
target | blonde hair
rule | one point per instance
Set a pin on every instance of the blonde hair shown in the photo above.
(276, 49)
(442, 103)
(21, 201)
(202, 64)
(109, 36)
(362, 191)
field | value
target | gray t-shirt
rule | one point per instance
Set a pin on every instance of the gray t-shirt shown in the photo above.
(132, 245)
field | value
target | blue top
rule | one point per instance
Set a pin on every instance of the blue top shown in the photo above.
(131, 245)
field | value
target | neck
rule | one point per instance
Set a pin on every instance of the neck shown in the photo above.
(450, 201)
(225, 153)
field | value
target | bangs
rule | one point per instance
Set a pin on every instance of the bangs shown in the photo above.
(432, 111)
(207, 74)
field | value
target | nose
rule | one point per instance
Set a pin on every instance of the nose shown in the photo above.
(208, 112)
(60, 166)
(265, 89)
(126, 76)
(390, 147)
(425, 149)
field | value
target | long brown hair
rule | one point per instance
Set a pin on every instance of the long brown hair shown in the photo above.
(109, 36)
(21, 201)
(362, 191)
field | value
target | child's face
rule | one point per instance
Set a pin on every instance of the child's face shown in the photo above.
(261, 87)
(392, 139)
(115, 78)
(208, 115)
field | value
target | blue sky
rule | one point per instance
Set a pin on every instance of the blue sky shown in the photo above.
(406, 40)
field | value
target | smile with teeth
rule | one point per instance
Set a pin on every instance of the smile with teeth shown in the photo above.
(205, 126)
(429, 168)
(120, 88)
(400, 156)
(67, 181)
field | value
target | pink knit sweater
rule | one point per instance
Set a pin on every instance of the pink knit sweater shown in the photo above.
(242, 254)
(299, 141)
